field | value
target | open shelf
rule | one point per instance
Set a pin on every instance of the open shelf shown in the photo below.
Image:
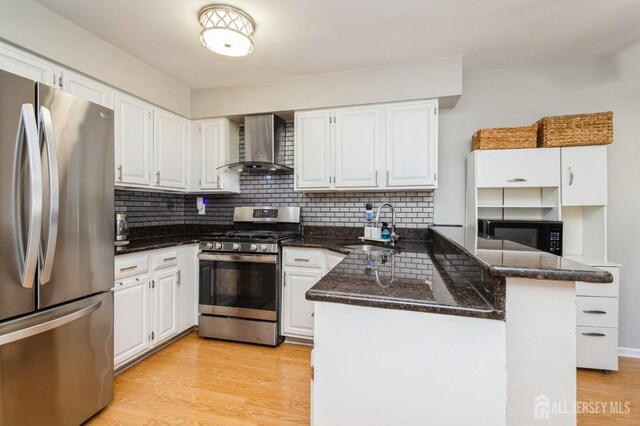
(515, 206)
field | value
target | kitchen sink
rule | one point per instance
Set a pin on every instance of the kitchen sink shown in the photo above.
(372, 250)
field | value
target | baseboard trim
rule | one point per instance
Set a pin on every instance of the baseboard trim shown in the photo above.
(629, 352)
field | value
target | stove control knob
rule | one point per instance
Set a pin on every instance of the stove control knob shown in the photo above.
(253, 247)
(218, 246)
(263, 247)
(209, 246)
(235, 246)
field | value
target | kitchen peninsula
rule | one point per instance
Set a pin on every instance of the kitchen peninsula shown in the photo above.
(455, 330)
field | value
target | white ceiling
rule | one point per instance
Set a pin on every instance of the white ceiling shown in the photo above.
(303, 37)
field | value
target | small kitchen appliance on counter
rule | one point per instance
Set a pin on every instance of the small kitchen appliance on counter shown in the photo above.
(240, 275)
(121, 230)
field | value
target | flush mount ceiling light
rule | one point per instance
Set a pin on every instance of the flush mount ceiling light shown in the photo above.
(226, 30)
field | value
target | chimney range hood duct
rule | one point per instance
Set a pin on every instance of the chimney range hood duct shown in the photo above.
(263, 145)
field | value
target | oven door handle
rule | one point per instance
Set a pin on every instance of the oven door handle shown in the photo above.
(238, 258)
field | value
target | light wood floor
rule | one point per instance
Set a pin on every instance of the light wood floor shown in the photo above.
(209, 382)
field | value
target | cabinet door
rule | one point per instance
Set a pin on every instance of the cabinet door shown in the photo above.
(165, 305)
(133, 140)
(131, 329)
(86, 88)
(357, 141)
(411, 145)
(26, 65)
(518, 168)
(584, 175)
(313, 150)
(188, 283)
(211, 154)
(297, 310)
(170, 150)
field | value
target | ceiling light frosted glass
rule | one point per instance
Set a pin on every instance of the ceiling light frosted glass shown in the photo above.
(226, 30)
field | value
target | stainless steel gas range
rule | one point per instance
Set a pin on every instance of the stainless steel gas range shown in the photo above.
(240, 275)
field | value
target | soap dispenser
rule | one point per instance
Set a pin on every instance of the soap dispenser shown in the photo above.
(385, 234)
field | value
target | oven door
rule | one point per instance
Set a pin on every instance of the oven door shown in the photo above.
(237, 285)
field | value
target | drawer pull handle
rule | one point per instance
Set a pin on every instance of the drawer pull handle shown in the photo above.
(129, 268)
(517, 180)
(299, 259)
(594, 334)
(168, 259)
(594, 311)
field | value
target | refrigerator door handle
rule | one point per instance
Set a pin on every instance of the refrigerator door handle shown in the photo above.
(23, 333)
(48, 248)
(28, 131)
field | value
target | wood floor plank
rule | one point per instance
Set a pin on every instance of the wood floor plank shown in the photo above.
(198, 381)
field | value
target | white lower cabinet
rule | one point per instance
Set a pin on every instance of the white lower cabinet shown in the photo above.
(303, 268)
(131, 318)
(165, 305)
(297, 318)
(597, 323)
(153, 307)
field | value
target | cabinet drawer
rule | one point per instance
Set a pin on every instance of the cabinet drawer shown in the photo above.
(601, 290)
(597, 311)
(129, 266)
(597, 347)
(165, 259)
(129, 282)
(517, 168)
(308, 258)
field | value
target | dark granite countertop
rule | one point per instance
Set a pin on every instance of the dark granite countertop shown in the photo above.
(412, 279)
(504, 258)
(152, 243)
(452, 272)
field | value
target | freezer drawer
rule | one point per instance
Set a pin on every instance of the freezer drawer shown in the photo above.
(56, 366)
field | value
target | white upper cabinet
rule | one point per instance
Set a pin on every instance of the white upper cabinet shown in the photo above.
(518, 168)
(211, 153)
(86, 88)
(313, 149)
(411, 152)
(26, 65)
(357, 141)
(133, 141)
(377, 147)
(170, 150)
(584, 175)
(214, 144)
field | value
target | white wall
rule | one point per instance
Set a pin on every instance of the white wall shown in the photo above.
(31, 26)
(520, 96)
(438, 78)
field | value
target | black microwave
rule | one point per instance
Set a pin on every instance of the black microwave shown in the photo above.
(540, 234)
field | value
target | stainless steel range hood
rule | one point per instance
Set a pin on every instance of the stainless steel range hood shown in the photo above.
(264, 145)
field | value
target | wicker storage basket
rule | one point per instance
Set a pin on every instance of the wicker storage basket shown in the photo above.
(575, 130)
(504, 138)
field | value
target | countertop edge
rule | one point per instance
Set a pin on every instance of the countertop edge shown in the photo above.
(155, 246)
(600, 277)
(328, 297)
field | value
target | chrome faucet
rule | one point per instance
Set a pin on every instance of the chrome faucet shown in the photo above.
(394, 236)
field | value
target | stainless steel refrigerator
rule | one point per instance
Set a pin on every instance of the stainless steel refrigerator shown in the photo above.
(56, 255)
